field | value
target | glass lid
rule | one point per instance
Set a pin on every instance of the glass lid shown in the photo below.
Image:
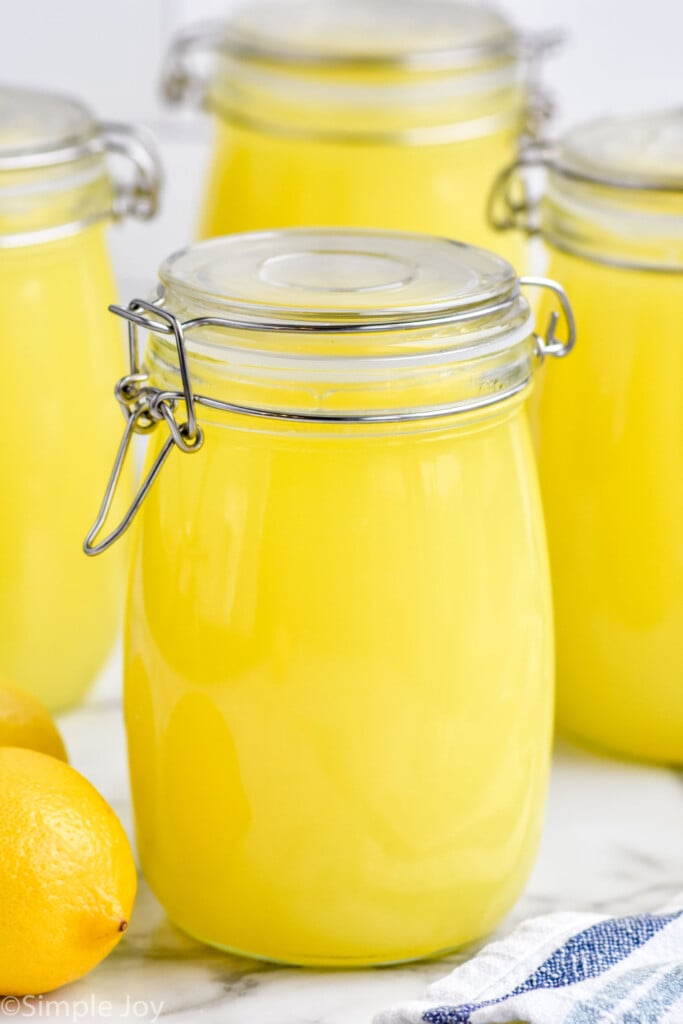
(430, 32)
(337, 275)
(643, 151)
(40, 129)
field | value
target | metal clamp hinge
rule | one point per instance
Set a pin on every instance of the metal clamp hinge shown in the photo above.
(182, 79)
(511, 204)
(540, 107)
(549, 344)
(139, 196)
(144, 408)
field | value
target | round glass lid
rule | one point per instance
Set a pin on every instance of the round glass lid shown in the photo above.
(40, 129)
(374, 31)
(342, 276)
(644, 151)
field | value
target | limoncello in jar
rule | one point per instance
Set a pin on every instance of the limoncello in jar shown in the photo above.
(338, 653)
(58, 614)
(609, 432)
(373, 113)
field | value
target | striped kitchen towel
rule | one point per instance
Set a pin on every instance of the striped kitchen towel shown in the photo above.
(565, 969)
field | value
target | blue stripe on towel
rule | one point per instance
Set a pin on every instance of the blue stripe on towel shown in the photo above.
(602, 1003)
(651, 1007)
(585, 955)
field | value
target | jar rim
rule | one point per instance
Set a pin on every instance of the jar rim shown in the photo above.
(469, 74)
(346, 279)
(615, 191)
(55, 172)
(44, 129)
(466, 349)
(641, 152)
(369, 34)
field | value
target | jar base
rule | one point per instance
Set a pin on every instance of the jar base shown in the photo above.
(324, 963)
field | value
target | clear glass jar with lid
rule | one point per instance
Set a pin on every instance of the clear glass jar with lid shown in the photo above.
(339, 654)
(58, 618)
(363, 113)
(610, 429)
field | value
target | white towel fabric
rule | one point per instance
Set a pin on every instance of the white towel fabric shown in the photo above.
(565, 969)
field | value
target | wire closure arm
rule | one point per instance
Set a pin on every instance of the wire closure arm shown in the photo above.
(510, 207)
(184, 76)
(145, 407)
(549, 344)
(91, 545)
(138, 197)
(535, 48)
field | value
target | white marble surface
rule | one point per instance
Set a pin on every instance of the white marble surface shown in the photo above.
(613, 843)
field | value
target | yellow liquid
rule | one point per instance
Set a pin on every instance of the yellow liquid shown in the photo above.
(259, 180)
(610, 439)
(338, 687)
(61, 351)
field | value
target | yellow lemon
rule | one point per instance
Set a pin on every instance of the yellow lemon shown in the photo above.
(67, 876)
(24, 722)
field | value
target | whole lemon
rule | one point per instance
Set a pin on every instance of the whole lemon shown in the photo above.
(67, 876)
(24, 722)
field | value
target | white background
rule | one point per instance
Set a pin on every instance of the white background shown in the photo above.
(620, 55)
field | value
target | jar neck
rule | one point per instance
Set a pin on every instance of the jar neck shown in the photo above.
(46, 196)
(441, 373)
(41, 204)
(359, 104)
(629, 227)
(448, 423)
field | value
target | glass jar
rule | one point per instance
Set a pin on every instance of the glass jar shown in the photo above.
(58, 617)
(338, 663)
(610, 432)
(362, 113)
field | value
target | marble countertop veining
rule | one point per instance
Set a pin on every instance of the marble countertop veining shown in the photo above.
(613, 843)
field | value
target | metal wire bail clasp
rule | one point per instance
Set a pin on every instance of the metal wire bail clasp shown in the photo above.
(138, 196)
(549, 344)
(184, 77)
(145, 407)
(511, 204)
(535, 48)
